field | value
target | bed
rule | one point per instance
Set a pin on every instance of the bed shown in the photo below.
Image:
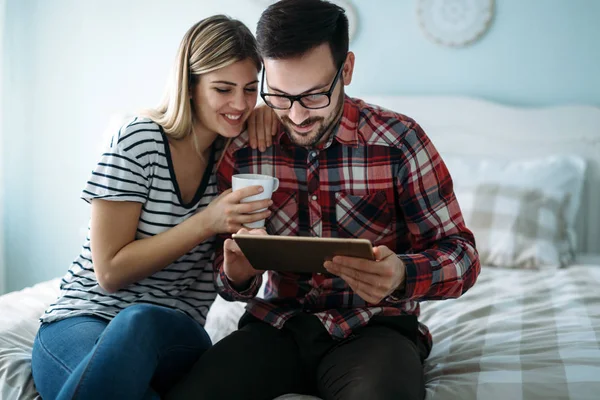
(530, 327)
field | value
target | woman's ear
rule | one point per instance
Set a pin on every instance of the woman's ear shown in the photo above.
(193, 80)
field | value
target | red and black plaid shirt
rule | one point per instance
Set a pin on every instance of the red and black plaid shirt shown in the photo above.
(378, 177)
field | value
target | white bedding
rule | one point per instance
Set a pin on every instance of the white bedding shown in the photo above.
(517, 334)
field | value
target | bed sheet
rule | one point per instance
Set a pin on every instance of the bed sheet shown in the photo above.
(518, 334)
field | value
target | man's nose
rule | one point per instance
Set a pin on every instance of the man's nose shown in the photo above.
(298, 114)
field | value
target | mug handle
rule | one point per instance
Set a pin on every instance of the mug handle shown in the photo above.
(275, 184)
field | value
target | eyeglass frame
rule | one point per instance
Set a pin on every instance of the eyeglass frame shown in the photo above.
(298, 98)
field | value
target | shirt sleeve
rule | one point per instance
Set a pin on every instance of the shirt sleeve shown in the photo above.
(443, 261)
(120, 174)
(225, 171)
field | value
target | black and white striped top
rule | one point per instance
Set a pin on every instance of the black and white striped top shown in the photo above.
(137, 166)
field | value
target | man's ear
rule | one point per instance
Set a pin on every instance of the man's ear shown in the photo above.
(348, 68)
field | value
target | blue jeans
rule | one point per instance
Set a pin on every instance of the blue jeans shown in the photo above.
(140, 354)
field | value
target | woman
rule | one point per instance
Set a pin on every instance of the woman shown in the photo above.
(129, 319)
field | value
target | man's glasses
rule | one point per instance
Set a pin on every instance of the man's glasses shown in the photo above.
(312, 101)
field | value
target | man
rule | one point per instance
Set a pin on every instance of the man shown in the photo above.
(346, 169)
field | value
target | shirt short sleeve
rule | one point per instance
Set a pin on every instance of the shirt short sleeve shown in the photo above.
(121, 173)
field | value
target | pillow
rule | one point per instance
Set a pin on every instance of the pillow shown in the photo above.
(515, 227)
(492, 194)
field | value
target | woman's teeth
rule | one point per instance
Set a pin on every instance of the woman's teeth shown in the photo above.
(233, 117)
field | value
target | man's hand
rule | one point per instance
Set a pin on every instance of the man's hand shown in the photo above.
(373, 281)
(236, 265)
(262, 126)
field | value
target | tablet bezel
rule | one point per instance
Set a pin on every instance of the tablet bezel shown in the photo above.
(299, 254)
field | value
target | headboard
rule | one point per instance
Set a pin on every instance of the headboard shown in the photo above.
(500, 131)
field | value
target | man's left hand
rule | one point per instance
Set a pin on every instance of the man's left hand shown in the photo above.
(373, 281)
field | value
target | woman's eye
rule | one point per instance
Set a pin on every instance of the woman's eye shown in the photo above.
(219, 90)
(251, 90)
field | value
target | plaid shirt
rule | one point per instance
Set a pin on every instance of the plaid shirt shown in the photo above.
(378, 177)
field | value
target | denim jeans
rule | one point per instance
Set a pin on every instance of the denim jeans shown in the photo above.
(140, 354)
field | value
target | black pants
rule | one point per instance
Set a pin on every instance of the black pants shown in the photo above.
(379, 361)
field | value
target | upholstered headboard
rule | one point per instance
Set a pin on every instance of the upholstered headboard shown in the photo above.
(472, 127)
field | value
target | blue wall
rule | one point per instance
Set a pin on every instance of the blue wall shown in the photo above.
(537, 52)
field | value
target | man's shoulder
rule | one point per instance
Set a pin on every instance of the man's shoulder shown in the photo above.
(380, 126)
(239, 142)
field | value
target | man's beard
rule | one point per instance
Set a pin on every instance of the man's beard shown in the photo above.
(310, 139)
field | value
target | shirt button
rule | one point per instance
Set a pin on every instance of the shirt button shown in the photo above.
(313, 154)
(314, 197)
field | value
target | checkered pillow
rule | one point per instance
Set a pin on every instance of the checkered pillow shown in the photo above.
(516, 227)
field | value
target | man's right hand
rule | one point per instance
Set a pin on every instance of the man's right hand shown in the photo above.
(238, 269)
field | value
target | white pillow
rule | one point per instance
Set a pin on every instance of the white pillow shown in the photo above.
(554, 177)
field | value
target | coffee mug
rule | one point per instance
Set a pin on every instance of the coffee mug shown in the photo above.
(269, 184)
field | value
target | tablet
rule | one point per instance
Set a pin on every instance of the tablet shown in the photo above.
(298, 253)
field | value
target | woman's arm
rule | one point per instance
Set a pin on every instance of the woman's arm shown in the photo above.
(120, 260)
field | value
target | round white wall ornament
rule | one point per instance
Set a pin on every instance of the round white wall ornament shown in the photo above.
(345, 4)
(455, 22)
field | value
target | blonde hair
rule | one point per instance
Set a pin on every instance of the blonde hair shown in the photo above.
(210, 44)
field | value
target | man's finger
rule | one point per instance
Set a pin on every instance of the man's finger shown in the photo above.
(231, 246)
(359, 264)
(361, 290)
(382, 252)
(365, 279)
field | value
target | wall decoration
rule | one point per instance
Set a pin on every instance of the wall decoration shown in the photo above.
(455, 23)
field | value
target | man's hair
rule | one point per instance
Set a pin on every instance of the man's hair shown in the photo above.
(290, 28)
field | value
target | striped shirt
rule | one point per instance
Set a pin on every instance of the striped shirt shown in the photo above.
(137, 166)
(378, 177)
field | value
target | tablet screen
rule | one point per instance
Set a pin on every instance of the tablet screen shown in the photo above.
(298, 253)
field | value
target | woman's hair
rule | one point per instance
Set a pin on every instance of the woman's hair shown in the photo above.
(210, 44)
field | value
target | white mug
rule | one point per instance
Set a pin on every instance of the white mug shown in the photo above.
(269, 184)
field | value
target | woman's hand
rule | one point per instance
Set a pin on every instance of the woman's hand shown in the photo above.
(262, 126)
(226, 214)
